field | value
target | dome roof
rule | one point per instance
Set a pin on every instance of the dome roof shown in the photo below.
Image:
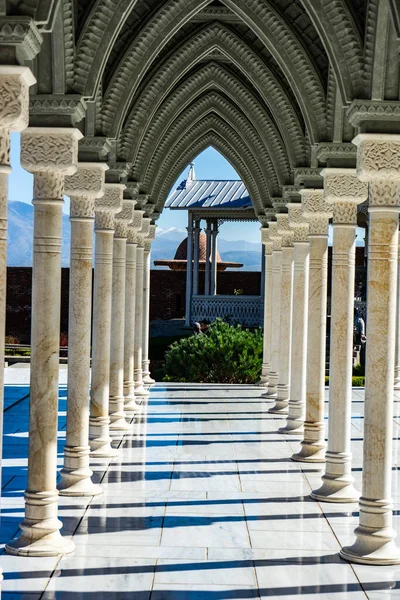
(181, 252)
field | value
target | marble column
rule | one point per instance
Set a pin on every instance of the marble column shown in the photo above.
(83, 187)
(14, 90)
(131, 406)
(318, 213)
(285, 327)
(189, 270)
(207, 275)
(196, 257)
(397, 351)
(117, 413)
(378, 163)
(214, 254)
(301, 248)
(50, 154)
(140, 390)
(276, 310)
(266, 364)
(342, 190)
(147, 379)
(99, 420)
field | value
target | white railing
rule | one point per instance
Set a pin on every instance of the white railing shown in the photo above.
(246, 310)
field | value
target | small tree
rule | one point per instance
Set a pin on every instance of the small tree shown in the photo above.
(225, 354)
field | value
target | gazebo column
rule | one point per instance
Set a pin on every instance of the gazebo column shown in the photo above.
(378, 162)
(83, 187)
(266, 364)
(49, 154)
(214, 266)
(285, 328)
(117, 413)
(196, 257)
(318, 213)
(130, 313)
(276, 310)
(301, 248)
(147, 379)
(17, 80)
(207, 275)
(99, 420)
(189, 270)
(343, 191)
(140, 390)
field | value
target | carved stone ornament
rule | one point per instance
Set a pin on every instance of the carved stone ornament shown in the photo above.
(94, 146)
(266, 240)
(285, 230)
(327, 150)
(70, 105)
(111, 199)
(50, 149)
(81, 207)
(142, 199)
(307, 176)
(48, 186)
(147, 245)
(133, 188)
(132, 235)
(152, 232)
(275, 237)
(121, 169)
(145, 226)
(378, 156)
(372, 110)
(123, 218)
(14, 97)
(22, 33)
(298, 223)
(316, 210)
(87, 181)
(343, 185)
(279, 204)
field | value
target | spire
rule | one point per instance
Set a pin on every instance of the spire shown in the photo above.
(191, 176)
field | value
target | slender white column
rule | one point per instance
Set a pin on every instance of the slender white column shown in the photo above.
(147, 380)
(14, 83)
(285, 328)
(318, 213)
(344, 191)
(214, 265)
(99, 420)
(397, 352)
(130, 309)
(50, 154)
(140, 390)
(189, 270)
(276, 310)
(378, 162)
(207, 275)
(83, 187)
(117, 413)
(196, 258)
(301, 248)
(266, 364)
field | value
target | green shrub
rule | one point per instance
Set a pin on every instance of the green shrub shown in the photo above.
(225, 354)
(358, 381)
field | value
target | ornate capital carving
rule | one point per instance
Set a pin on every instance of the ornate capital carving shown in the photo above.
(152, 232)
(50, 150)
(94, 147)
(378, 156)
(81, 208)
(266, 240)
(137, 219)
(48, 186)
(275, 237)
(21, 33)
(15, 82)
(285, 230)
(344, 191)
(316, 210)
(123, 218)
(108, 205)
(308, 176)
(279, 204)
(145, 226)
(298, 223)
(132, 188)
(87, 181)
(147, 245)
(337, 150)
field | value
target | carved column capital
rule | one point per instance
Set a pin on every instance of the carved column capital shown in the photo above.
(275, 237)
(152, 232)
(344, 191)
(298, 223)
(285, 230)
(50, 150)
(108, 205)
(266, 240)
(316, 211)
(15, 82)
(135, 226)
(83, 187)
(123, 218)
(145, 226)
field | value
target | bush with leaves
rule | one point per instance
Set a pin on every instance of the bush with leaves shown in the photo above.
(225, 354)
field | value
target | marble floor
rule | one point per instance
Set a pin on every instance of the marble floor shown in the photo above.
(203, 503)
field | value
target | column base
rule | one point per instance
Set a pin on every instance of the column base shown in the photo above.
(119, 425)
(99, 438)
(372, 547)
(148, 380)
(272, 389)
(76, 474)
(141, 391)
(313, 445)
(264, 379)
(40, 530)
(292, 428)
(337, 481)
(295, 420)
(280, 407)
(131, 406)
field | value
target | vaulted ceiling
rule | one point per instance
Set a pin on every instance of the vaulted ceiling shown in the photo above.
(151, 83)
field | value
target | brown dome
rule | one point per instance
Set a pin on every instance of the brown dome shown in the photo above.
(181, 252)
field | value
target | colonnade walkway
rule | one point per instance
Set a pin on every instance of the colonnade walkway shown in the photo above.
(203, 503)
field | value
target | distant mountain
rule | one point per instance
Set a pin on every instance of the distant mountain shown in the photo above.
(20, 235)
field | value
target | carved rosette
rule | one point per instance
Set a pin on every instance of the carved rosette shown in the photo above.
(265, 238)
(344, 191)
(275, 237)
(298, 223)
(316, 211)
(15, 82)
(50, 150)
(123, 218)
(88, 181)
(108, 205)
(285, 230)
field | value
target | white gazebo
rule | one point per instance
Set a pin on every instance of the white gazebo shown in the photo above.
(215, 201)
